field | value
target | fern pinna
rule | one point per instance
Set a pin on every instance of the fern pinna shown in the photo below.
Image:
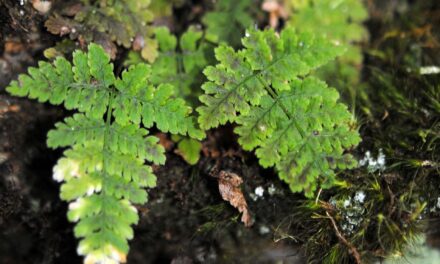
(103, 171)
(293, 120)
(180, 61)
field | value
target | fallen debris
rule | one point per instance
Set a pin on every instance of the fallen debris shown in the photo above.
(229, 187)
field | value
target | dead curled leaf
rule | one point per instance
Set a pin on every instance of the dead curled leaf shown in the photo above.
(229, 187)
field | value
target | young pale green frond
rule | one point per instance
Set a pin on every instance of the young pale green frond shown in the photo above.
(294, 122)
(189, 149)
(239, 80)
(96, 177)
(104, 226)
(103, 170)
(127, 139)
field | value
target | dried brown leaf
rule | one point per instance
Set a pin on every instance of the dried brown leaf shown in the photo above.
(12, 46)
(229, 187)
(164, 140)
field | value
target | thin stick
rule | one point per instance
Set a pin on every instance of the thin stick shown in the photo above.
(352, 249)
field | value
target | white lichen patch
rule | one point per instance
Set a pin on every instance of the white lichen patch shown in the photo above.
(347, 202)
(359, 197)
(271, 190)
(429, 70)
(259, 191)
(352, 211)
(263, 230)
(373, 164)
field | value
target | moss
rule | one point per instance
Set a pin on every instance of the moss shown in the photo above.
(400, 116)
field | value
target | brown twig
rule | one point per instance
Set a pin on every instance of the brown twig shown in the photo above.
(352, 249)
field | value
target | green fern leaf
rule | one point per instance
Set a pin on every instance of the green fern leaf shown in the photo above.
(104, 170)
(341, 21)
(188, 148)
(294, 122)
(180, 62)
(139, 100)
(228, 21)
(234, 84)
(58, 83)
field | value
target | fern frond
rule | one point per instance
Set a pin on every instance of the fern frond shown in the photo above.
(235, 83)
(103, 170)
(228, 21)
(340, 21)
(294, 122)
(180, 62)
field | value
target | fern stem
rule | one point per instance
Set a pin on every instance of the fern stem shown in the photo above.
(274, 96)
(108, 119)
(249, 77)
(180, 71)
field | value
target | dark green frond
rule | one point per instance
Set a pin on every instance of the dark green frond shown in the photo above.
(294, 122)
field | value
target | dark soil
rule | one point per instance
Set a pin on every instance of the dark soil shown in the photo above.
(185, 218)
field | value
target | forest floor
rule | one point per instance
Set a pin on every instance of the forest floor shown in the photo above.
(185, 220)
